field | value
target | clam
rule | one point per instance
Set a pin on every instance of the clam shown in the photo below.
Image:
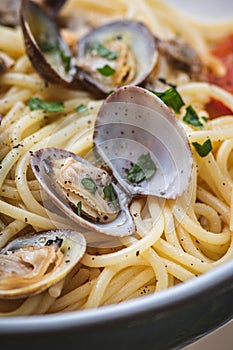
(181, 55)
(116, 54)
(85, 193)
(143, 143)
(32, 263)
(48, 52)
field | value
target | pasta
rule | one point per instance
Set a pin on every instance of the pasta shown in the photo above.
(175, 240)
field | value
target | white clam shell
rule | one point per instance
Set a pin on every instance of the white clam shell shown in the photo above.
(73, 247)
(140, 42)
(133, 121)
(42, 166)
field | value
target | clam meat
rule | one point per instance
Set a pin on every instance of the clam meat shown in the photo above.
(32, 263)
(85, 193)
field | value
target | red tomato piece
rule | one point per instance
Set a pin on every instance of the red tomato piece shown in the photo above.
(224, 51)
(216, 109)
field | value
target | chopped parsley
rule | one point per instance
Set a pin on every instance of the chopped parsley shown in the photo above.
(191, 117)
(171, 98)
(143, 169)
(204, 118)
(81, 108)
(204, 149)
(106, 70)
(46, 46)
(66, 59)
(110, 195)
(79, 208)
(89, 185)
(97, 156)
(35, 103)
(104, 51)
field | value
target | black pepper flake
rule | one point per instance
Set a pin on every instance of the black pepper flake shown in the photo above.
(67, 261)
(37, 168)
(19, 145)
(137, 252)
(25, 219)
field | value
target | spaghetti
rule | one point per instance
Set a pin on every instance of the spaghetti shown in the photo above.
(175, 240)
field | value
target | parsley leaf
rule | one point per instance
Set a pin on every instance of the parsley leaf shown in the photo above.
(81, 108)
(171, 98)
(204, 149)
(110, 195)
(97, 156)
(46, 46)
(66, 59)
(143, 169)
(35, 103)
(106, 70)
(89, 185)
(79, 208)
(191, 117)
(104, 51)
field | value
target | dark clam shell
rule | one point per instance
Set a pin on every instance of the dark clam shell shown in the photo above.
(48, 52)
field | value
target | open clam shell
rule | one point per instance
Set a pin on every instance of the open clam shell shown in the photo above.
(48, 52)
(30, 264)
(128, 47)
(133, 123)
(45, 165)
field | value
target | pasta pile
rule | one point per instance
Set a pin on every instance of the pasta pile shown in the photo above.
(175, 240)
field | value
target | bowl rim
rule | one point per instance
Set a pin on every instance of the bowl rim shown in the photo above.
(156, 303)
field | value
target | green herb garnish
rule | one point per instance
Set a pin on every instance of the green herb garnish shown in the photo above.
(204, 118)
(48, 47)
(79, 208)
(66, 59)
(191, 117)
(81, 108)
(89, 185)
(204, 149)
(143, 169)
(110, 195)
(104, 51)
(106, 70)
(97, 156)
(171, 98)
(35, 103)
